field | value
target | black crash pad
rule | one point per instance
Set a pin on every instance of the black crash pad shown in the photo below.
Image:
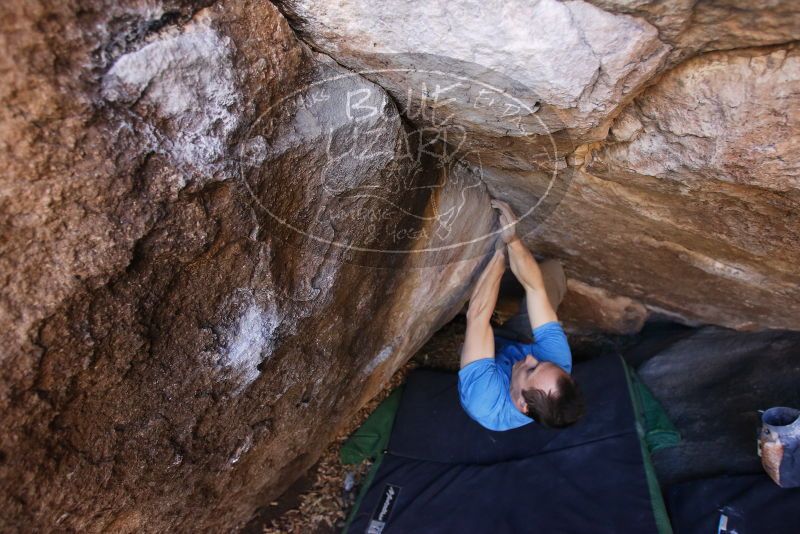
(752, 504)
(445, 473)
(431, 424)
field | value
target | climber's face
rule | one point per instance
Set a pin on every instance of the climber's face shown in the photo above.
(532, 373)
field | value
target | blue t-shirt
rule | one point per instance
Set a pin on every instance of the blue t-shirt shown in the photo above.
(484, 385)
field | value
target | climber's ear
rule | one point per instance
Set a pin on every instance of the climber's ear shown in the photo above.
(521, 404)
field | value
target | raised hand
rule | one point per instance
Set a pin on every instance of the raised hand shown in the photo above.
(508, 220)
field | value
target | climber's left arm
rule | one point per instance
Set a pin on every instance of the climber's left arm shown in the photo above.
(479, 339)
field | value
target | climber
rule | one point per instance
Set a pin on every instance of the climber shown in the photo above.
(520, 382)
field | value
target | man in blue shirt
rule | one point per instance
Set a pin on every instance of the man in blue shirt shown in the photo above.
(513, 384)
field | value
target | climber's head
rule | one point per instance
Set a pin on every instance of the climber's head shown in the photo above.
(545, 392)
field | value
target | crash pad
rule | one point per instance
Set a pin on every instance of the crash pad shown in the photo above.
(369, 441)
(445, 473)
(430, 408)
(744, 504)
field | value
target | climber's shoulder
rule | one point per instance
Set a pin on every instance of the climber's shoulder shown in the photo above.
(484, 394)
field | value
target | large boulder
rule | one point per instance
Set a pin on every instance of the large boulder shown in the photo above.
(713, 382)
(511, 83)
(699, 181)
(586, 310)
(660, 150)
(219, 241)
(211, 257)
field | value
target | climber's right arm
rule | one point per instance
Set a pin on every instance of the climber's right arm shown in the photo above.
(479, 338)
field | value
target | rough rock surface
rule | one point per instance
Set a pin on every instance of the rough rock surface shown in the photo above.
(696, 195)
(189, 309)
(575, 57)
(586, 309)
(713, 382)
(218, 243)
(669, 131)
(690, 27)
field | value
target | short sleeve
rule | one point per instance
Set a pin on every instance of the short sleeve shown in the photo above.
(550, 344)
(482, 391)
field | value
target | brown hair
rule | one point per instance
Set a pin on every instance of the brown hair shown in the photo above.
(555, 409)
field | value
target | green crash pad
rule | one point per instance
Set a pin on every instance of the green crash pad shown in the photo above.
(370, 439)
(369, 442)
